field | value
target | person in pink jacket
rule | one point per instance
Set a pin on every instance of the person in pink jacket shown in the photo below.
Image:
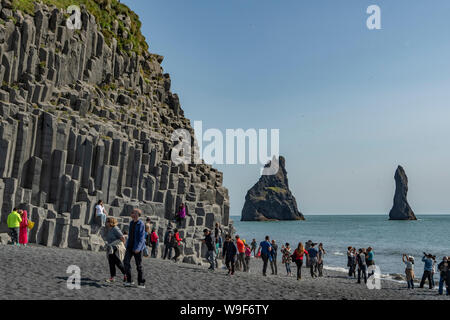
(181, 214)
(23, 231)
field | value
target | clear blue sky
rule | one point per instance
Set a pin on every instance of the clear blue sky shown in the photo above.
(351, 104)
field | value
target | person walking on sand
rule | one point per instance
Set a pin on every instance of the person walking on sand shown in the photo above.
(177, 248)
(265, 248)
(115, 249)
(433, 269)
(320, 257)
(447, 279)
(134, 248)
(154, 240)
(23, 230)
(351, 261)
(297, 257)
(218, 234)
(208, 240)
(286, 258)
(229, 252)
(427, 269)
(169, 242)
(273, 262)
(312, 254)
(100, 212)
(409, 270)
(362, 265)
(241, 255)
(370, 260)
(254, 245)
(248, 254)
(443, 268)
(307, 246)
(13, 221)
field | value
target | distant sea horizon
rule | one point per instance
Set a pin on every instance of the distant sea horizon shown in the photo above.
(234, 217)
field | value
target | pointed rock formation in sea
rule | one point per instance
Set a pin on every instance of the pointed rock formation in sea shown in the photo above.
(270, 198)
(401, 209)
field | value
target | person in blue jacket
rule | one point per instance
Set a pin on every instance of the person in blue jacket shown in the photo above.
(134, 248)
(427, 269)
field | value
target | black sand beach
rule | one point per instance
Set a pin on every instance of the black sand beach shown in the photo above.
(38, 272)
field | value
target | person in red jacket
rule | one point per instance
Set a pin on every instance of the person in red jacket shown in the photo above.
(241, 255)
(154, 242)
(297, 257)
(177, 245)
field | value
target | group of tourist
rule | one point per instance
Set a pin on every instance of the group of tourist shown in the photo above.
(431, 267)
(121, 247)
(361, 260)
(18, 225)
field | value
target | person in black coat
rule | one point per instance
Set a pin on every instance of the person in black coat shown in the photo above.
(229, 252)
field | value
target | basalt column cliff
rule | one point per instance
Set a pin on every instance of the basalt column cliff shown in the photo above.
(87, 114)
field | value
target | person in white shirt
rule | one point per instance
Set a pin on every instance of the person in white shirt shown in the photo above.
(100, 212)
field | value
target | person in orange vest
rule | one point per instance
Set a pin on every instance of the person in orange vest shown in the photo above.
(241, 254)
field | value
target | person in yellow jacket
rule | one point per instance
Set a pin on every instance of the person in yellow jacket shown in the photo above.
(14, 220)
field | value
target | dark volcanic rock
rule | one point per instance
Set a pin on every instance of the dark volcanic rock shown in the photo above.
(83, 119)
(401, 209)
(271, 199)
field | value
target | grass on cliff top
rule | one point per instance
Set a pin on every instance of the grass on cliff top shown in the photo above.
(105, 12)
(276, 189)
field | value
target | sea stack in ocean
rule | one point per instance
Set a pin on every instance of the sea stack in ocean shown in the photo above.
(270, 198)
(401, 209)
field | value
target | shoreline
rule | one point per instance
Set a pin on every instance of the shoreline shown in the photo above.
(166, 280)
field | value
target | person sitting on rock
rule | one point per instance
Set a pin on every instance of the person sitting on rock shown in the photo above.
(100, 212)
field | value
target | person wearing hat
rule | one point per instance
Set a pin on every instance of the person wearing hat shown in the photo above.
(409, 270)
(443, 268)
(427, 270)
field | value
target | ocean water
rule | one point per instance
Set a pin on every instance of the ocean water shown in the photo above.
(389, 239)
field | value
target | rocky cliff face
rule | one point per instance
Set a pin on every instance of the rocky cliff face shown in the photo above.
(83, 117)
(271, 199)
(401, 209)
